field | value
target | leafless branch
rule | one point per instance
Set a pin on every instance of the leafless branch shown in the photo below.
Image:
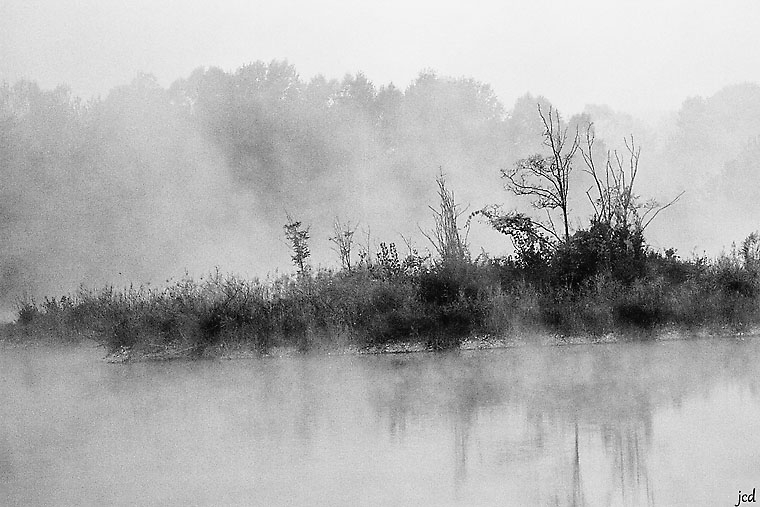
(661, 208)
(547, 178)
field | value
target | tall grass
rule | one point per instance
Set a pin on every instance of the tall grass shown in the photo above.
(386, 300)
(362, 306)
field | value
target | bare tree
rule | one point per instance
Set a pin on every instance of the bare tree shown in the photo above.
(616, 204)
(344, 240)
(546, 178)
(447, 238)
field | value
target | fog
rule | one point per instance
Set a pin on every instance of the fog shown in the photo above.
(636, 56)
(579, 425)
(152, 182)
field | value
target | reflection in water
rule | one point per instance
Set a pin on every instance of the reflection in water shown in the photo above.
(587, 412)
(629, 424)
(577, 485)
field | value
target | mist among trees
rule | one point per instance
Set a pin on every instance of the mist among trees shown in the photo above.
(148, 182)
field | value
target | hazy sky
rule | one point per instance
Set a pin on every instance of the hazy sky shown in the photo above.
(633, 55)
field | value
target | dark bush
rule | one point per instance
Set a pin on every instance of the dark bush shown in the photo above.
(27, 312)
(438, 287)
(601, 249)
(637, 314)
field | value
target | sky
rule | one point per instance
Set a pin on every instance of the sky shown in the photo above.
(635, 56)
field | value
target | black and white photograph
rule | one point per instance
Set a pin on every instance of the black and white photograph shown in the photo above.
(398, 253)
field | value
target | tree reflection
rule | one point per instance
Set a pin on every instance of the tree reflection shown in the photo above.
(581, 417)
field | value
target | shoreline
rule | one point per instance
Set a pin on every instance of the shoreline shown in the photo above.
(228, 351)
(243, 349)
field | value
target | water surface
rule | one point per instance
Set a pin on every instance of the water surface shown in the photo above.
(674, 423)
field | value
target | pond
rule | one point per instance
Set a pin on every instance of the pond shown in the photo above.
(658, 423)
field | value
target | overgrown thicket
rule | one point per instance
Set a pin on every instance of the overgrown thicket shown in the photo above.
(390, 298)
(603, 277)
(381, 298)
(594, 279)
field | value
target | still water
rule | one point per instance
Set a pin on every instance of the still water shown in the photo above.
(672, 423)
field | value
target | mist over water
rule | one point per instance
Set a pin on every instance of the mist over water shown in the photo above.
(668, 423)
(151, 182)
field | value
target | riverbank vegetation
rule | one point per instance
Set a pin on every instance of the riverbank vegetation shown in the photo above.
(390, 299)
(591, 280)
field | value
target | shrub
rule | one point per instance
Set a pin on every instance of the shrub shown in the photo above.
(601, 249)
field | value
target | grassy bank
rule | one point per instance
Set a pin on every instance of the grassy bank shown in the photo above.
(392, 301)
